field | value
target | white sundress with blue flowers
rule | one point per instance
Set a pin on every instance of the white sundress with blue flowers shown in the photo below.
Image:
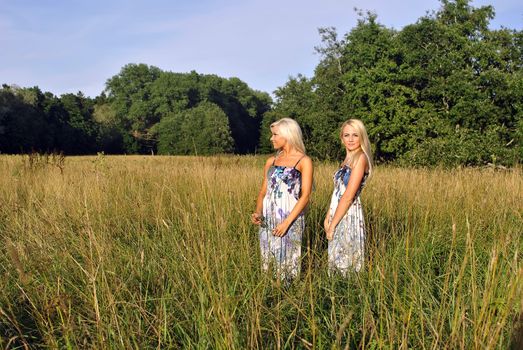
(283, 192)
(346, 249)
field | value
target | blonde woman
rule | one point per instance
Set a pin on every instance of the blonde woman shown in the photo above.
(283, 197)
(344, 223)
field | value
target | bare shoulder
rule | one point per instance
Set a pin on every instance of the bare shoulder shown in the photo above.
(361, 162)
(305, 163)
(307, 159)
(269, 162)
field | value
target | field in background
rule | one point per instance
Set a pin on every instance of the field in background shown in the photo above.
(158, 252)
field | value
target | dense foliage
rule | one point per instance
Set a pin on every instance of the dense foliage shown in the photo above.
(142, 96)
(446, 90)
(31, 120)
(143, 110)
(200, 130)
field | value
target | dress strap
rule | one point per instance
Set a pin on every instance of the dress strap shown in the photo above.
(298, 162)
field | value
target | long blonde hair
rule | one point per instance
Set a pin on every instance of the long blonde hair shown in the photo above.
(291, 131)
(364, 143)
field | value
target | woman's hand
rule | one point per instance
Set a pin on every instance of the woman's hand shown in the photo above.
(327, 226)
(256, 218)
(326, 223)
(281, 229)
(330, 234)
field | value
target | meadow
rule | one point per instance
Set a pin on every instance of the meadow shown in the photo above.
(145, 252)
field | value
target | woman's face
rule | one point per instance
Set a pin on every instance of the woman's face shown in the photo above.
(277, 140)
(350, 138)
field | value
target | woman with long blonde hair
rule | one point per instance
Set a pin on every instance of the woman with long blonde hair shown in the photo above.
(283, 197)
(344, 223)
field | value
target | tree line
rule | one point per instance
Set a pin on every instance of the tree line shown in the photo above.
(142, 110)
(444, 90)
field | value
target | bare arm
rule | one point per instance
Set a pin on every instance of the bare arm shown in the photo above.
(347, 198)
(258, 212)
(306, 170)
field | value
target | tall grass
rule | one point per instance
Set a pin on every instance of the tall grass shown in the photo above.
(158, 252)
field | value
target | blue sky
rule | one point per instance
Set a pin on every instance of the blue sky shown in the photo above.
(70, 46)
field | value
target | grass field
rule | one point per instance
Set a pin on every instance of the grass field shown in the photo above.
(158, 252)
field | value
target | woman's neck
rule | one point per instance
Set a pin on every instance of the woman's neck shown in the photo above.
(350, 155)
(287, 150)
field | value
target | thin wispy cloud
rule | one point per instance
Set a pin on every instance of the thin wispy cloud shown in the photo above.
(67, 46)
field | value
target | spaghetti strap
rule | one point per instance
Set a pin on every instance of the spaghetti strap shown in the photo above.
(298, 162)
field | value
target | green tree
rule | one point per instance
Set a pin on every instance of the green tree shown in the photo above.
(31, 120)
(243, 106)
(141, 96)
(429, 93)
(129, 93)
(109, 135)
(82, 126)
(467, 78)
(21, 124)
(201, 130)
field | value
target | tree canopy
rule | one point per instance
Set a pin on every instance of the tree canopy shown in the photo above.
(444, 90)
(153, 95)
(202, 130)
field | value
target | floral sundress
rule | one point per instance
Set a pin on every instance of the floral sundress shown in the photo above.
(346, 249)
(283, 192)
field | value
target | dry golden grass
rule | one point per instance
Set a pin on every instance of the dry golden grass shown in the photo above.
(158, 252)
